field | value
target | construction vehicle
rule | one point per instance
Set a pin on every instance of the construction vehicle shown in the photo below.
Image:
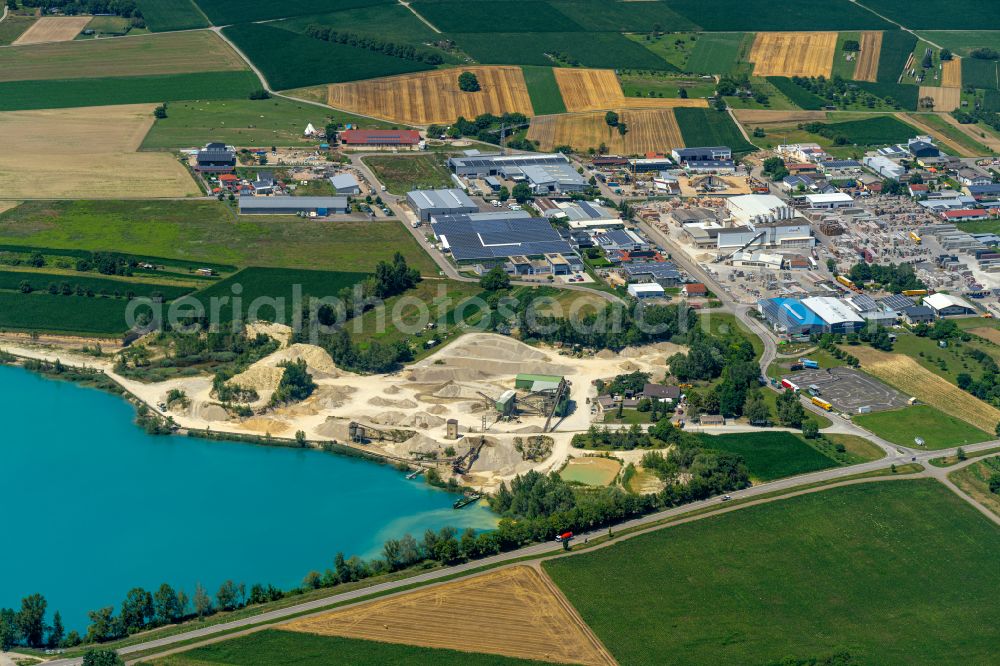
(848, 283)
(819, 402)
(914, 292)
(914, 237)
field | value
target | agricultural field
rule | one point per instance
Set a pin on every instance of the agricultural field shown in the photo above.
(226, 12)
(389, 22)
(53, 29)
(746, 15)
(146, 55)
(64, 93)
(876, 131)
(975, 479)
(793, 53)
(290, 60)
(866, 65)
(242, 122)
(938, 429)
(111, 26)
(528, 619)
(13, 27)
(101, 286)
(766, 117)
(434, 97)
(674, 50)
(72, 315)
(945, 99)
(599, 89)
(543, 90)
(897, 45)
(799, 96)
(264, 648)
(95, 157)
(591, 471)
(451, 16)
(951, 73)
(402, 173)
(791, 581)
(163, 15)
(911, 378)
(981, 73)
(718, 53)
(276, 288)
(708, 127)
(649, 130)
(623, 15)
(207, 231)
(663, 84)
(962, 42)
(770, 455)
(927, 14)
(597, 49)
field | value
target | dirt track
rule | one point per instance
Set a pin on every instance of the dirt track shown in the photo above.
(990, 140)
(866, 66)
(914, 120)
(793, 53)
(434, 97)
(514, 612)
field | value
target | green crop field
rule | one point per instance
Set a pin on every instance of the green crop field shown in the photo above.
(799, 96)
(877, 131)
(271, 293)
(736, 15)
(927, 14)
(271, 646)
(708, 127)
(290, 60)
(40, 281)
(938, 430)
(991, 101)
(226, 12)
(904, 95)
(981, 73)
(13, 27)
(596, 49)
(543, 90)
(623, 16)
(661, 84)
(717, 54)
(893, 573)
(209, 231)
(56, 94)
(243, 122)
(897, 45)
(963, 41)
(163, 15)
(402, 173)
(770, 455)
(44, 312)
(528, 15)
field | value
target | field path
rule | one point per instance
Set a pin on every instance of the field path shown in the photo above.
(420, 16)
(912, 119)
(991, 141)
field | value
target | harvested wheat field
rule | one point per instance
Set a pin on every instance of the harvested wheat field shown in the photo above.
(144, 55)
(434, 97)
(94, 157)
(951, 73)
(866, 66)
(910, 377)
(987, 333)
(53, 29)
(649, 130)
(793, 53)
(945, 99)
(516, 612)
(769, 117)
(599, 90)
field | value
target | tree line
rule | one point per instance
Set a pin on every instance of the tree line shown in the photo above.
(402, 51)
(894, 278)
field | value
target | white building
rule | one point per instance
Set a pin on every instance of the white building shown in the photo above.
(766, 260)
(645, 290)
(830, 201)
(946, 305)
(837, 316)
(751, 209)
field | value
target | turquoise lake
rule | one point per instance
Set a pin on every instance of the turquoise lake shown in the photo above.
(93, 506)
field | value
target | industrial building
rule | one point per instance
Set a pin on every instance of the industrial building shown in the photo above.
(789, 316)
(885, 167)
(216, 158)
(345, 183)
(643, 290)
(837, 316)
(706, 154)
(622, 239)
(489, 237)
(428, 203)
(947, 305)
(829, 201)
(322, 206)
(375, 138)
(584, 214)
(750, 209)
(871, 310)
(544, 173)
(779, 235)
(662, 273)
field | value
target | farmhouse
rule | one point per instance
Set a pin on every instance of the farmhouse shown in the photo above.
(321, 206)
(946, 305)
(216, 158)
(645, 290)
(695, 290)
(661, 392)
(356, 138)
(429, 203)
(488, 237)
(345, 183)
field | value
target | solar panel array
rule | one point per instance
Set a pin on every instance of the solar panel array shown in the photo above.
(477, 237)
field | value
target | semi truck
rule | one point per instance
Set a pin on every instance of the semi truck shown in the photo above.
(791, 386)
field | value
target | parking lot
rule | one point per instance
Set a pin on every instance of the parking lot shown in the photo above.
(848, 389)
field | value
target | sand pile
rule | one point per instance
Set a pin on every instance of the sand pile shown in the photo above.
(499, 457)
(484, 356)
(391, 390)
(437, 409)
(421, 420)
(606, 355)
(207, 411)
(334, 428)
(279, 332)
(332, 397)
(265, 425)
(264, 375)
(379, 401)
(261, 378)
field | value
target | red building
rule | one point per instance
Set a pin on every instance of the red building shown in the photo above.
(380, 138)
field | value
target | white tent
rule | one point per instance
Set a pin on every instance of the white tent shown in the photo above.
(310, 130)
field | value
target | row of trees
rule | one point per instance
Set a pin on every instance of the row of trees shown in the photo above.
(402, 51)
(67, 289)
(126, 8)
(894, 278)
(840, 92)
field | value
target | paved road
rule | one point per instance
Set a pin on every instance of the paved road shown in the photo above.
(552, 547)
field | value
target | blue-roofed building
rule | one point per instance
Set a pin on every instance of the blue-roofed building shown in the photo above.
(790, 316)
(833, 165)
(700, 154)
(492, 237)
(989, 192)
